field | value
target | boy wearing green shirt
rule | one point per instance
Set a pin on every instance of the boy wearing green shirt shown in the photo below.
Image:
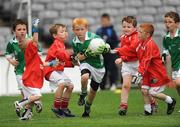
(90, 66)
(171, 45)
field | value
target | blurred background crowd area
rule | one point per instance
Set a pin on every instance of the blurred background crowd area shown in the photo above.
(63, 11)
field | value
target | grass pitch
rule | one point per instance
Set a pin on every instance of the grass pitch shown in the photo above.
(104, 113)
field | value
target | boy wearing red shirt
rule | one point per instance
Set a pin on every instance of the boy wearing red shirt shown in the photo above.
(33, 74)
(128, 58)
(151, 70)
(32, 77)
(55, 75)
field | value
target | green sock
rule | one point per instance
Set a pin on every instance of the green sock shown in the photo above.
(84, 91)
(87, 107)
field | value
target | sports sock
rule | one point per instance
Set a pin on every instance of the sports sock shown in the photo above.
(84, 91)
(87, 107)
(168, 100)
(23, 102)
(57, 102)
(147, 107)
(123, 106)
(65, 102)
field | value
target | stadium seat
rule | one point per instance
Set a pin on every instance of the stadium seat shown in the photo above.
(169, 2)
(75, 5)
(147, 10)
(94, 5)
(48, 14)
(132, 3)
(56, 6)
(38, 7)
(154, 3)
(114, 4)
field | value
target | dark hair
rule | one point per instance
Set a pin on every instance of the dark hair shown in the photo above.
(19, 22)
(130, 19)
(105, 15)
(54, 28)
(173, 15)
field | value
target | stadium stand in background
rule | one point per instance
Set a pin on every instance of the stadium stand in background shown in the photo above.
(63, 11)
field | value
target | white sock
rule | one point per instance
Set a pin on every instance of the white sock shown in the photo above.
(23, 102)
(147, 107)
(168, 100)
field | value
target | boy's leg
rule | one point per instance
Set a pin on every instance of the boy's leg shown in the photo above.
(27, 114)
(85, 74)
(65, 100)
(57, 100)
(154, 104)
(20, 84)
(94, 87)
(30, 95)
(177, 82)
(124, 94)
(171, 102)
(147, 102)
(19, 105)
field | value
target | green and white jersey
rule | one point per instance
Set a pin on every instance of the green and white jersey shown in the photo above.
(81, 47)
(173, 46)
(13, 50)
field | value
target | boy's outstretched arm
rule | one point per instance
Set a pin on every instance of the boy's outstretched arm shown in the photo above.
(35, 24)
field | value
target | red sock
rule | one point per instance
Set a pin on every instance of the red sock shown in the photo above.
(124, 106)
(57, 102)
(153, 101)
(65, 102)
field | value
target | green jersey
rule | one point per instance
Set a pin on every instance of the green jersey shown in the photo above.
(13, 50)
(81, 47)
(173, 46)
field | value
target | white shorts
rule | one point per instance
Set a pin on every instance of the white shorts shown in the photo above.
(58, 77)
(130, 68)
(29, 91)
(96, 74)
(154, 90)
(176, 74)
(19, 81)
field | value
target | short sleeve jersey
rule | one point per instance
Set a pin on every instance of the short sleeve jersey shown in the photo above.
(81, 47)
(173, 46)
(33, 74)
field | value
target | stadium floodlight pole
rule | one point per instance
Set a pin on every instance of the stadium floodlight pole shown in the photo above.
(29, 13)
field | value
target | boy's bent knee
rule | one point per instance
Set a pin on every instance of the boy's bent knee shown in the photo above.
(70, 86)
(84, 77)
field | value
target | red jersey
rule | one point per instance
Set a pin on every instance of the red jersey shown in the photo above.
(150, 64)
(57, 50)
(33, 74)
(127, 50)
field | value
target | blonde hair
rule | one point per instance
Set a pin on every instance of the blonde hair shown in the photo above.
(147, 27)
(54, 28)
(79, 21)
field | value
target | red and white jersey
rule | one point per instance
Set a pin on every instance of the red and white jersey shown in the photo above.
(127, 50)
(57, 51)
(33, 74)
(150, 64)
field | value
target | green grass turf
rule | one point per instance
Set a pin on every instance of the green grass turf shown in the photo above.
(104, 113)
